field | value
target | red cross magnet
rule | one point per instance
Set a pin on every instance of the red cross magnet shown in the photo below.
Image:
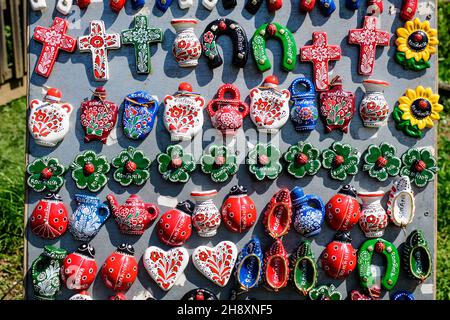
(320, 53)
(368, 38)
(98, 42)
(53, 40)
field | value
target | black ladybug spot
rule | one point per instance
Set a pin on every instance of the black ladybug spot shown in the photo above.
(39, 217)
(160, 232)
(40, 208)
(134, 268)
(167, 226)
(56, 220)
(183, 233)
(335, 247)
(69, 261)
(333, 258)
(128, 276)
(91, 270)
(169, 216)
(84, 278)
(339, 200)
(112, 258)
(111, 270)
(60, 211)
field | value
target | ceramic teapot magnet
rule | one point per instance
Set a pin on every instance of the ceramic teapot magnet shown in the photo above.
(238, 211)
(186, 48)
(278, 214)
(79, 268)
(120, 269)
(343, 211)
(175, 226)
(139, 114)
(276, 266)
(85, 222)
(183, 113)
(374, 109)
(304, 268)
(165, 267)
(269, 106)
(199, 294)
(206, 218)
(337, 106)
(417, 258)
(227, 114)
(401, 204)
(309, 212)
(304, 112)
(216, 263)
(45, 273)
(98, 117)
(373, 220)
(338, 259)
(133, 217)
(49, 120)
(250, 265)
(49, 219)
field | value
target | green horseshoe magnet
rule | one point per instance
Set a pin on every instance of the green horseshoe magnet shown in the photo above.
(365, 255)
(274, 30)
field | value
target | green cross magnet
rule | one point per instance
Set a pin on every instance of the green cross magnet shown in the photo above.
(141, 37)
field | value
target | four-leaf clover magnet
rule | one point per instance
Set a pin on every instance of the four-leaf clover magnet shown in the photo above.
(419, 165)
(381, 161)
(341, 159)
(220, 163)
(132, 167)
(176, 165)
(302, 159)
(46, 174)
(264, 161)
(89, 171)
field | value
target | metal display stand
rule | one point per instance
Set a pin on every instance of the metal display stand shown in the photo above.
(73, 75)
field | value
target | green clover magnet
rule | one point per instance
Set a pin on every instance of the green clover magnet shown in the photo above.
(303, 159)
(264, 161)
(89, 171)
(176, 165)
(381, 161)
(46, 174)
(419, 165)
(341, 159)
(132, 167)
(220, 163)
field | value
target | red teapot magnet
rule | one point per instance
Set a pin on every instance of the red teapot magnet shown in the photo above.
(227, 114)
(276, 266)
(238, 210)
(278, 214)
(343, 211)
(175, 226)
(339, 259)
(49, 219)
(120, 269)
(133, 217)
(79, 268)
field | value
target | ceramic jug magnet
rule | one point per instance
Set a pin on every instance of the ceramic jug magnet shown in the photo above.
(309, 212)
(227, 113)
(374, 109)
(206, 218)
(304, 111)
(86, 221)
(45, 273)
(186, 48)
(373, 220)
(140, 110)
(48, 121)
(250, 265)
(49, 219)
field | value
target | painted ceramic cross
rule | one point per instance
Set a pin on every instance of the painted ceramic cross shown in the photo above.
(98, 43)
(368, 38)
(141, 37)
(319, 54)
(53, 40)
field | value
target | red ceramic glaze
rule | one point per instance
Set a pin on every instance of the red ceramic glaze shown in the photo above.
(343, 211)
(135, 216)
(274, 5)
(339, 259)
(276, 266)
(79, 268)
(307, 5)
(175, 226)
(49, 219)
(83, 4)
(117, 5)
(408, 10)
(227, 113)
(120, 269)
(238, 210)
(278, 214)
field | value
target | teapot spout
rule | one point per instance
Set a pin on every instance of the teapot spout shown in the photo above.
(113, 202)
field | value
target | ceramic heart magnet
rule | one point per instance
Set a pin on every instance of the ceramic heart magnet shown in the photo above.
(165, 267)
(216, 263)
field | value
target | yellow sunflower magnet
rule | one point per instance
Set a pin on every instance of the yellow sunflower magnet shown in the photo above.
(416, 111)
(416, 42)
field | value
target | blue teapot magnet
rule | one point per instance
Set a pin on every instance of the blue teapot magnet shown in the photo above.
(249, 265)
(309, 212)
(304, 112)
(86, 221)
(139, 114)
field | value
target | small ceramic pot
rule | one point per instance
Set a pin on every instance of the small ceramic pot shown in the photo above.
(79, 268)
(338, 259)
(374, 109)
(238, 210)
(278, 214)
(373, 220)
(49, 219)
(401, 202)
(276, 266)
(175, 226)
(139, 114)
(304, 113)
(343, 210)
(206, 218)
(187, 48)
(250, 265)
(120, 269)
(309, 212)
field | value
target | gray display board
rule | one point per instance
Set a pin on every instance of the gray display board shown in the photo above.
(73, 75)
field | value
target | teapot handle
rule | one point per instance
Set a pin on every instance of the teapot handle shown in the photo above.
(244, 109)
(153, 210)
(316, 201)
(303, 82)
(210, 108)
(67, 107)
(104, 207)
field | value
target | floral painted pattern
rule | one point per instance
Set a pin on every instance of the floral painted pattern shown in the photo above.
(341, 159)
(219, 163)
(302, 159)
(132, 166)
(175, 165)
(46, 174)
(264, 161)
(140, 110)
(419, 165)
(89, 171)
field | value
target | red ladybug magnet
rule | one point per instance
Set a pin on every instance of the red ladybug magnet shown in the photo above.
(49, 219)
(238, 210)
(175, 226)
(120, 269)
(342, 212)
(338, 259)
(79, 268)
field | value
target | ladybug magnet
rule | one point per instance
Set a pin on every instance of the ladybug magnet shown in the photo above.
(120, 269)
(338, 259)
(175, 226)
(49, 219)
(238, 210)
(79, 268)
(343, 211)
